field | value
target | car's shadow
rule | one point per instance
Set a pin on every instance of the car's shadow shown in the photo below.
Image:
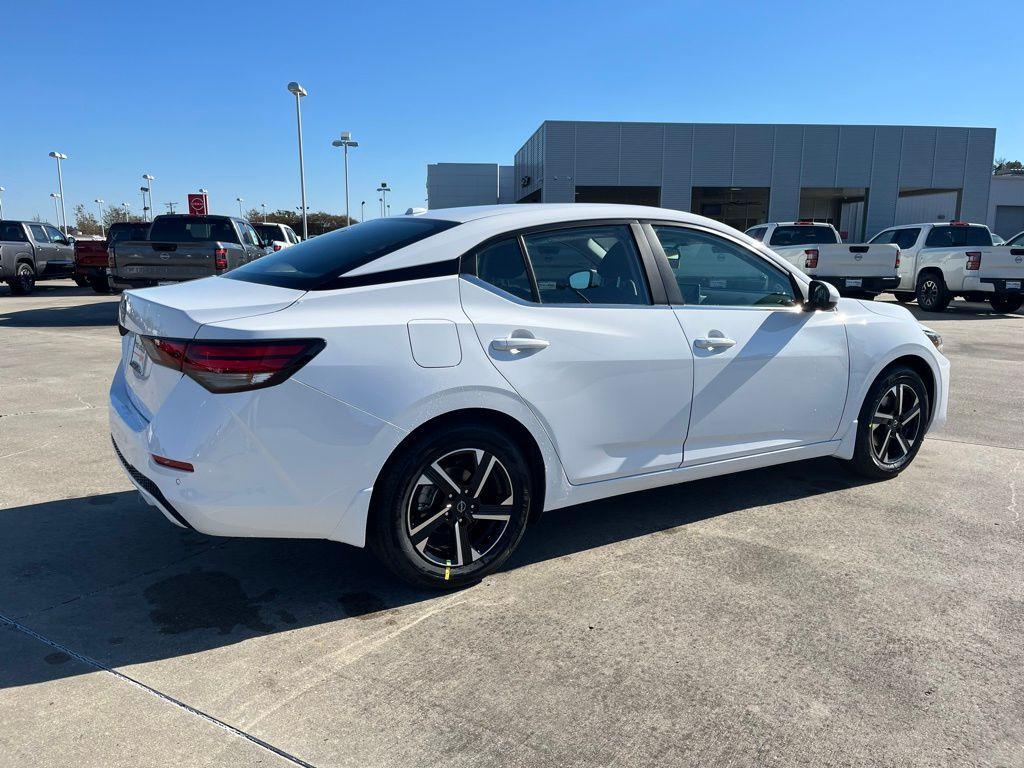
(109, 577)
(958, 310)
(94, 314)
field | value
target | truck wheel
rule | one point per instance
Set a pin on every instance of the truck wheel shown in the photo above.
(904, 297)
(99, 284)
(24, 280)
(82, 282)
(1006, 304)
(932, 294)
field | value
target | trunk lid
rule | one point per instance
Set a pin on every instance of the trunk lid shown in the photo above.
(178, 312)
(137, 260)
(1002, 262)
(857, 260)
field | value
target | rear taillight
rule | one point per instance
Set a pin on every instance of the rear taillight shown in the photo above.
(220, 259)
(974, 260)
(898, 258)
(110, 257)
(811, 260)
(234, 366)
(278, 246)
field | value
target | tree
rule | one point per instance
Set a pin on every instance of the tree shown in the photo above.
(1002, 165)
(114, 213)
(318, 222)
(85, 222)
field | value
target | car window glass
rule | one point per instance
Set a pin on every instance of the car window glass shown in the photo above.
(712, 270)
(587, 265)
(905, 238)
(55, 236)
(38, 233)
(757, 232)
(883, 238)
(251, 238)
(1016, 239)
(802, 235)
(948, 236)
(502, 265)
(12, 232)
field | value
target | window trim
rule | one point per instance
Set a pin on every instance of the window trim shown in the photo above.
(648, 262)
(669, 278)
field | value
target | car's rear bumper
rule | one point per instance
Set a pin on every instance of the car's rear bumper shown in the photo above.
(1000, 285)
(285, 461)
(862, 284)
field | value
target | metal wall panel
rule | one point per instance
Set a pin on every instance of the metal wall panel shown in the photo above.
(917, 159)
(784, 198)
(712, 155)
(981, 145)
(559, 162)
(950, 157)
(820, 155)
(597, 153)
(676, 173)
(856, 145)
(884, 188)
(752, 156)
(452, 185)
(640, 152)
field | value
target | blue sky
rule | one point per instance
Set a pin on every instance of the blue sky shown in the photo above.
(195, 93)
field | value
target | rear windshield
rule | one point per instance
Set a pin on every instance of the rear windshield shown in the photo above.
(12, 231)
(127, 231)
(957, 237)
(269, 231)
(802, 235)
(188, 229)
(314, 264)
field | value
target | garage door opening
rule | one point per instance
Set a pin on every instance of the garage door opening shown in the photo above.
(842, 207)
(739, 207)
(624, 195)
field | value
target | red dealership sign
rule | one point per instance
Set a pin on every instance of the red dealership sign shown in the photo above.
(197, 205)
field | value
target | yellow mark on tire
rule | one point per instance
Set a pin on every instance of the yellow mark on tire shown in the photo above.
(447, 569)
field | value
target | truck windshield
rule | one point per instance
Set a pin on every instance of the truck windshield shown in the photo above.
(192, 229)
(314, 264)
(803, 235)
(957, 237)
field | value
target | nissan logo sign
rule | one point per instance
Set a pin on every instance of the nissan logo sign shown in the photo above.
(1019, 259)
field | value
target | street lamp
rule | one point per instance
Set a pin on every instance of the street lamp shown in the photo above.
(299, 92)
(240, 201)
(380, 206)
(145, 208)
(58, 156)
(383, 189)
(264, 207)
(362, 211)
(56, 213)
(345, 142)
(2, 202)
(99, 210)
(125, 207)
(150, 179)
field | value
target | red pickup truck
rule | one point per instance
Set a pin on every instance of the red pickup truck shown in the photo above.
(91, 256)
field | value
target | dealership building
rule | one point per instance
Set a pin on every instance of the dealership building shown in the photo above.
(861, 178)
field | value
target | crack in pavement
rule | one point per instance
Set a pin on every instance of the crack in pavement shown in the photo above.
(17, 626)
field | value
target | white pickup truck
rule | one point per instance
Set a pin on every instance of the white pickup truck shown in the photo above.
(817, 249)
(954, 258)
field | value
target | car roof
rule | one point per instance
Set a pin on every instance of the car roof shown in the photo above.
(939, 224)
(554, 212)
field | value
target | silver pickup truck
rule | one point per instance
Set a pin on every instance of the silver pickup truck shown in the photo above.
(184, 247)
(31, 251)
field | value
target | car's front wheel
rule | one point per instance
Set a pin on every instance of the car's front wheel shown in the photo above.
(451, 506)
(891, 425)
(1005, 304)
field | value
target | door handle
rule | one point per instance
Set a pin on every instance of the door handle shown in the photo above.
(519, 344)
(714, 342)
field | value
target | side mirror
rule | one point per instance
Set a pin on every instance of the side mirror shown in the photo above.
(821, 295)
(71, 239)
(580, 281)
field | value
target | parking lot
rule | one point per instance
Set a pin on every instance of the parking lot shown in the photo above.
(796, 615)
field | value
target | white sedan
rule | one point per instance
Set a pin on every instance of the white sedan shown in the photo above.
(428, 384)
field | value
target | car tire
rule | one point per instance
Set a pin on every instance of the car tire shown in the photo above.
(82, 282)
(932, 294)
(904, 297)
(892, 424)
(426, 513)
(1006, 304)
(24, 280)
(99, 284)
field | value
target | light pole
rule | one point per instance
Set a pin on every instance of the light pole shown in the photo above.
(125, 207)
(58, 156)
(145, 208)
(99, 210)
(1, 202)
(380, 206)
(362, 211)
(299, 92)
(170, 206)
(264, 207)
(383, 189)
(56, 213)
(240, 201)
(149, 179)
(345, 142)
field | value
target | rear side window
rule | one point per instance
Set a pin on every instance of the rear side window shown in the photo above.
(757, 233)
(317, 263)
(802, 235)
(502, 265)
(12, 232)
(956, 237)
(38, 233)
(192, 229)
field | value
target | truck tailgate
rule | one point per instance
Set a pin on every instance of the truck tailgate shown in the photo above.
(1002, 262)
(841, 260)
(138, 260)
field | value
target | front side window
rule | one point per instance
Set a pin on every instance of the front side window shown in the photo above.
(905, 238)
(948, 236)
(55, 236)
(251, 238)
(714, 271)
(38, 233)
(1016, 239)
(502, 265)
(587, 265)
(316, 264)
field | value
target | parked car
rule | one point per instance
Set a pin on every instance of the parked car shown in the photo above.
(948, 259)
(92, 255)
(428, 384)
(32, 251)
(277, 236)
(1017, 240)
(818, 250)
(183, 247)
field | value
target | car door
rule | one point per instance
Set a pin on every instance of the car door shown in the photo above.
(766, 374)
(904, 238)
(45, 250)
(577, 332)
(251, 242)
(63, 251)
